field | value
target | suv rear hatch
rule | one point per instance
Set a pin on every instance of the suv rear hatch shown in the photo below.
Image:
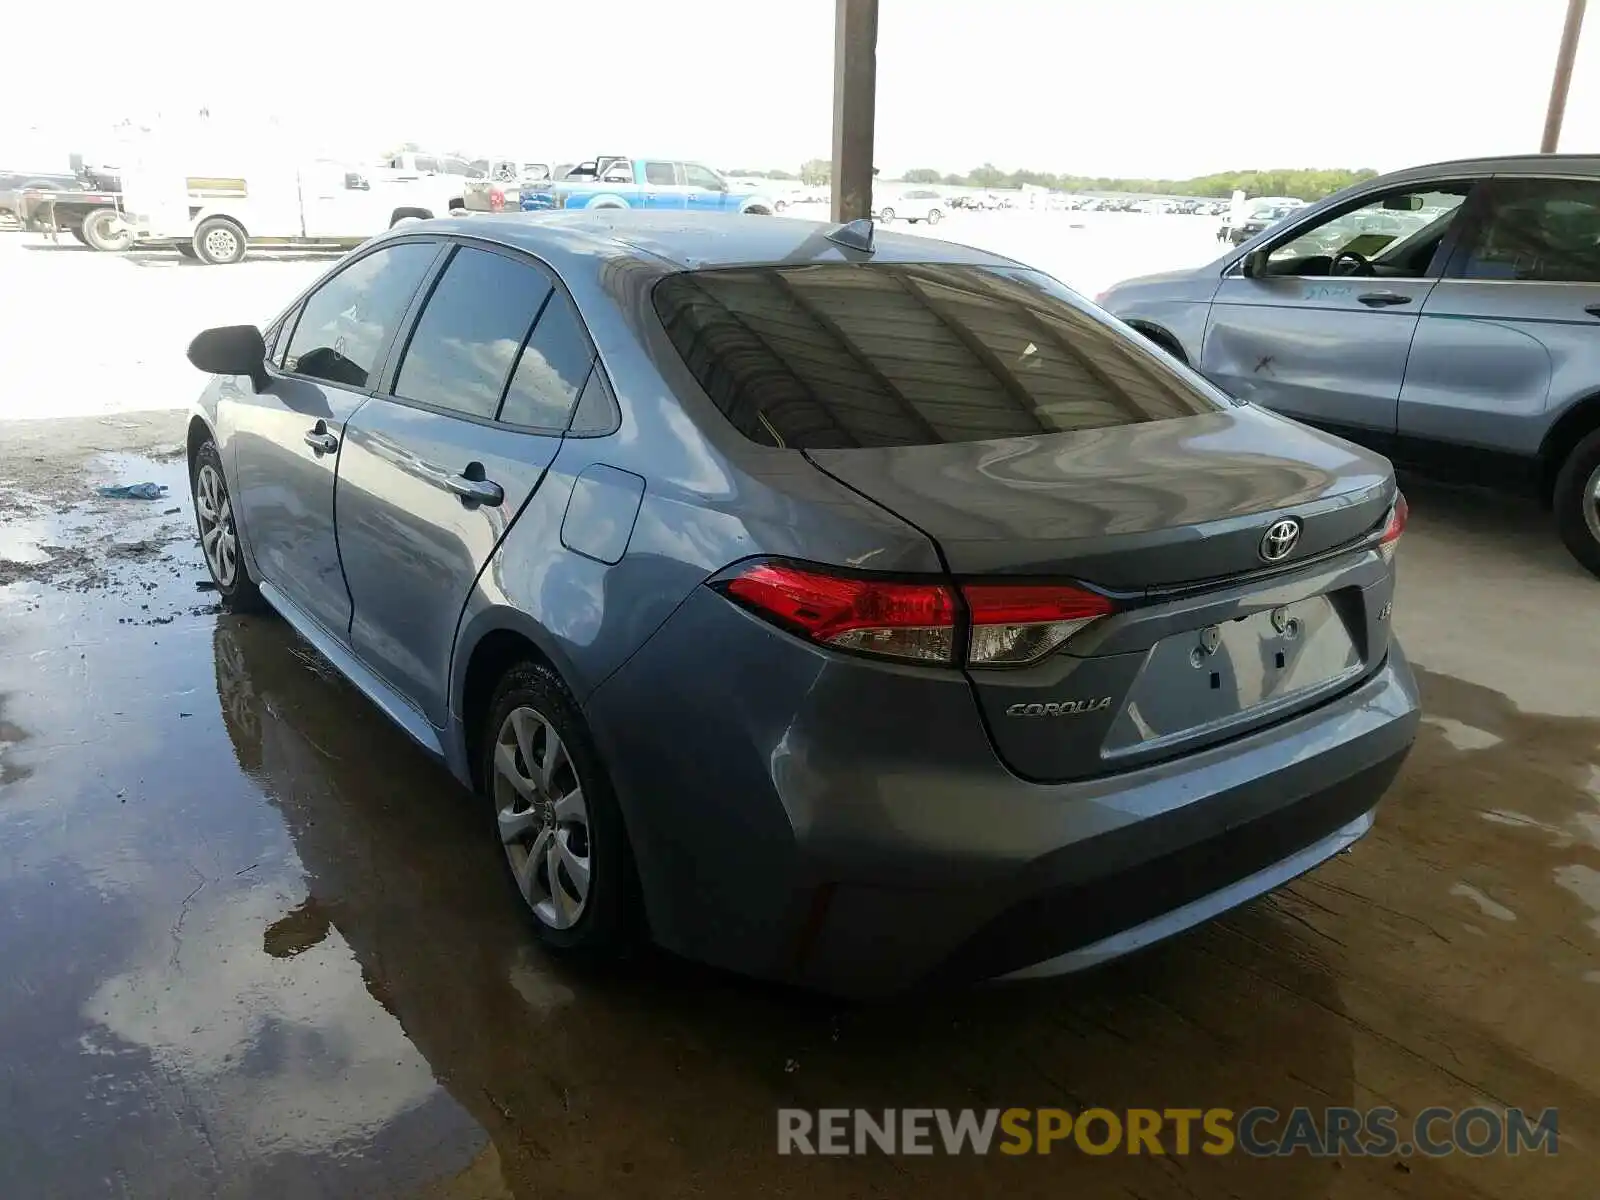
(1053, 459)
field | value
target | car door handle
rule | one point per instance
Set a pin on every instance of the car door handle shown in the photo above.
(321, 441)
(1592, 309)
(476, 491)
(1383, 299)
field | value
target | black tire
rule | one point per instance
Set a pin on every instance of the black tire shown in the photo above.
(607, 924)
(98, 232)
(238, 592)
(185, 250)
(77, 232)
(886, 215)
(1577, 508)
(218, 241)
(779, 205)
(935, 216)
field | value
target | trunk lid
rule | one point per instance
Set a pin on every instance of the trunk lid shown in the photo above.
(1127, 508)
(1209, 641)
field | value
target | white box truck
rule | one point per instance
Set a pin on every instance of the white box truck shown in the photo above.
(214, 218)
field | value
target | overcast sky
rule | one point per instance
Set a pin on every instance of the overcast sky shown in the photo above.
(1120, 87)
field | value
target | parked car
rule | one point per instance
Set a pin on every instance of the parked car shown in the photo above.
(648, 183)
(994, 641)
(501, 188)
(1445, 315)
(1260, 216)
(913, 206)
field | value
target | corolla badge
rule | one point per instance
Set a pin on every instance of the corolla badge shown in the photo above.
(1280, 539)
(1064, 708)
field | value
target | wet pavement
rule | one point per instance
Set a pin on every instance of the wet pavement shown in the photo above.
(256, 945)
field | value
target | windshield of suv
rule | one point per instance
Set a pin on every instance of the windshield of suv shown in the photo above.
(842, 355)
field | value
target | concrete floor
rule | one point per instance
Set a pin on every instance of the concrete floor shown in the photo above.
(257, 945)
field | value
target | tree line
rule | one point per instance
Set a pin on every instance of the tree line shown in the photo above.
(1303, 183)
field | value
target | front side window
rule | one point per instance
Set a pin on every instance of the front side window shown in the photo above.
(1538, 229)
(469, 335)
(661, 174)
(1399, 230)
(703, 177)
(844, 355)
(346, 325)
(430, 165)
(618, 172)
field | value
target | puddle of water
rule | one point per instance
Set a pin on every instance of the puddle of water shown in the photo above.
(265, 948)
(1461, 735)
(1485, 905)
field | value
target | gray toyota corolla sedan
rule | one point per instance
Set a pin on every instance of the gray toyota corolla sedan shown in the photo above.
(857, 613)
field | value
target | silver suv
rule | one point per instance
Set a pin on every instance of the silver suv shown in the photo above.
(1448, 316)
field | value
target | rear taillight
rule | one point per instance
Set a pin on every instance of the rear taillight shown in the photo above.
(1008, 625)
(1013, 624)
(894, 619)
(1395, 526)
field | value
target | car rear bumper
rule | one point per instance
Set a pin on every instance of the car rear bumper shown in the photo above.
(845, 825)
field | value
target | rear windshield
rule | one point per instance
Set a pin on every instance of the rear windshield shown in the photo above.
(840, 355)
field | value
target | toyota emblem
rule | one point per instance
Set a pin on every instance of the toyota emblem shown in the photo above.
(1280, 539)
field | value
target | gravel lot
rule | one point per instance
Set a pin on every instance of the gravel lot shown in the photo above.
(257, 946)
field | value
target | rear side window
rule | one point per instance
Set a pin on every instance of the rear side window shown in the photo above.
(468, 338)
(1540, 229)
(552, 369)
(844, 355)
(346, 324)
(661, 174)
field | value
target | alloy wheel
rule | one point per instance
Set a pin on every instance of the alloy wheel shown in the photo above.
(543, 820)
(218, 538)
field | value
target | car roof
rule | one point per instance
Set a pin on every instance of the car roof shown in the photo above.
(684, 241)
(1549, 164)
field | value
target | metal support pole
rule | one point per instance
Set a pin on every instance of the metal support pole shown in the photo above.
(855, 90)
(1563, 76)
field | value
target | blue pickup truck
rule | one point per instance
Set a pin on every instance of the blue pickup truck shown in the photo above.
(653, 183)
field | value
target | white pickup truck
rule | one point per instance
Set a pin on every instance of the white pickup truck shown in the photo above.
(215, 218)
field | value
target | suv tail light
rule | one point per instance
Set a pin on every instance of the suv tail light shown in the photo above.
(1396, 525)
(1008, 625)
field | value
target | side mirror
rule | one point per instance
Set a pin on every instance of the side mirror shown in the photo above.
(232, 350)
(1402, 203)
(356, 183)
(1254, 264)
